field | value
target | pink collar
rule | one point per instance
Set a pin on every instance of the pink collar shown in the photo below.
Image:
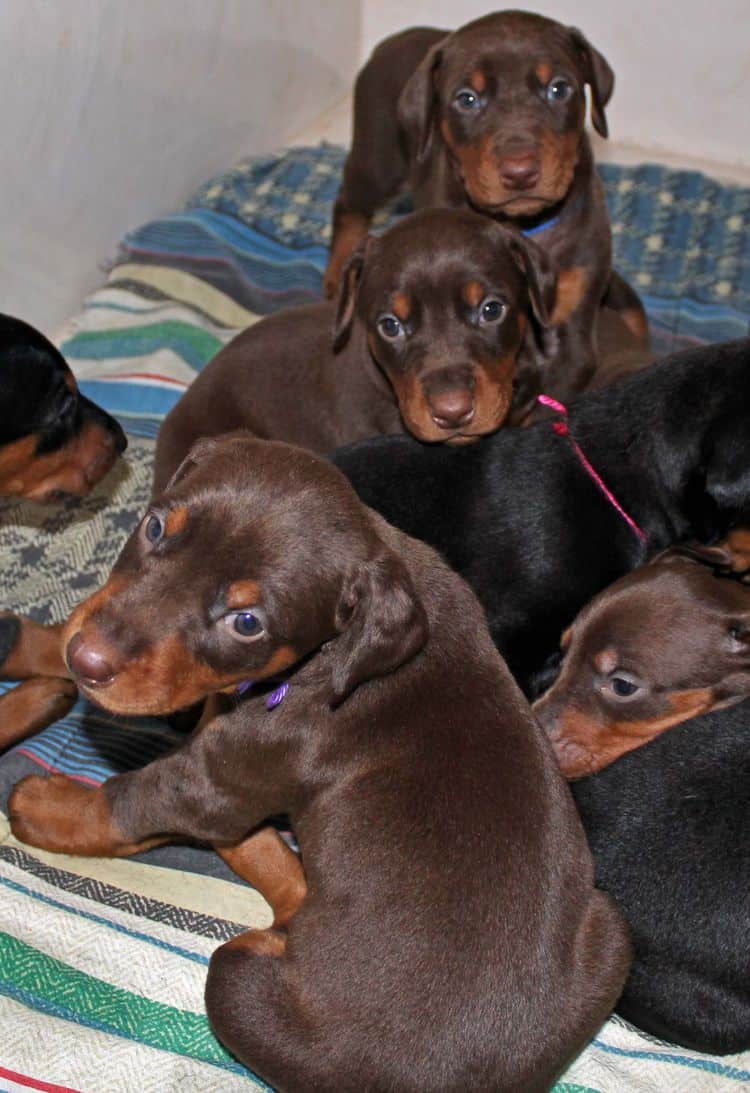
(561, 428)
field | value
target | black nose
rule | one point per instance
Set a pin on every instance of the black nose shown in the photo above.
(89, 660)
(520, 171)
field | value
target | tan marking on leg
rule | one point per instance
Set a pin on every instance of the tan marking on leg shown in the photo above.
(348, 231)
(37, 652)
(264, 860)
(32, 706)
(571, 290)
(256, 942)
(58, 814)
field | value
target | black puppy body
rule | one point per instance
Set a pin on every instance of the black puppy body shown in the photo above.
(52, 439)
(668, 825)
(522, 520)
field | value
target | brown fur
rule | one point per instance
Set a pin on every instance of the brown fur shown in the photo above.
(397, 692)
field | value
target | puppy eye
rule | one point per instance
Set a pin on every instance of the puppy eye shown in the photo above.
(621, 686)
(153, 528)
(467, 100)
(559, 90)
(491, 311)
(244, 625)
(390, 327)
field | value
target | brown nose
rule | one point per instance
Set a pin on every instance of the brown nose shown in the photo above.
(520, 172)
(90, 660)
(452, 408)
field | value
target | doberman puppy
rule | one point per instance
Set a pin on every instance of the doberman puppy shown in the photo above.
(668, 826)
(53, 441)
(439, 322)
(521, 516)
(661, 645)
(375, 688)
(492, 117)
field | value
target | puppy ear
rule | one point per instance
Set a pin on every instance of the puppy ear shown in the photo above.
(540, 274)
(732, 689)
(382, 624)
(348, 292)
(198, 452)
(598, 75)
(727, 470)
(417, 102)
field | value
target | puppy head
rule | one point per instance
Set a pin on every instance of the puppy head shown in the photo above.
(506, 94)
(450, 301)
(254, 556)
(666, 643)
(52, 439)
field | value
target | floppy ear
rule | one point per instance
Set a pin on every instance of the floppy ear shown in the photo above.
(598, 75)
(198, 452)
(348, 292)
(732, 689)
(727, 468)
(416, 104)
(541, 276)
(382, 624)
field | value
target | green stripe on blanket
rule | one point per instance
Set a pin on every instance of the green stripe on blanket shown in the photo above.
(49, 985)
(194, 344)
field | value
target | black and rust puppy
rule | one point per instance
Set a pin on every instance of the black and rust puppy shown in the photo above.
(426, 955)
(436, 320)
(663, 644)
(491, 116)
(521, 516)
(53, 441)
(668, 827)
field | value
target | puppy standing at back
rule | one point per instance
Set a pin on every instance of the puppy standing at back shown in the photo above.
(492, 117)
(451, 937)
(665, 643)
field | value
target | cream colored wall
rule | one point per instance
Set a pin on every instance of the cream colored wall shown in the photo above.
(112, 111)
(682, 66)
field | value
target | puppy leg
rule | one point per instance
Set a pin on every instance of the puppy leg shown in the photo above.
(622, 298)
(33, 705)
(29, 649)
(264, 860)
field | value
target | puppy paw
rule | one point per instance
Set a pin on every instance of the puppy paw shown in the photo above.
(32, 705)
(51, 813)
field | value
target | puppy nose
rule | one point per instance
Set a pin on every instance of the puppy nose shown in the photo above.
(453, 408)
(520, 172)
(89, 660)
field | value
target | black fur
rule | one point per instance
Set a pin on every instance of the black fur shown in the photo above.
(516, 514)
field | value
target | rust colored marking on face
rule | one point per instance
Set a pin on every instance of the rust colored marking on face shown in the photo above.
(281, 658)
(86, 610)
(571, 289)
(176, 520)
(558, 154)
(606, 661)
(478, 81)
(543, 73)
(473, 292)
(74, 468)
(402, 306)
(242, 594)
(738, 544)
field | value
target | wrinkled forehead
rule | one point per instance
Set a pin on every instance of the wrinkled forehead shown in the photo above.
(511, 52)
(439, 255)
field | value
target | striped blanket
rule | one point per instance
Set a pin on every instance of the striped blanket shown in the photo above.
(102, 963)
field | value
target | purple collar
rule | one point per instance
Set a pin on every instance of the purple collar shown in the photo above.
(273, 700)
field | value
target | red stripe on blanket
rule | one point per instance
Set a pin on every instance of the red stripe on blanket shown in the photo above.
(35, 1083)
(53, 770)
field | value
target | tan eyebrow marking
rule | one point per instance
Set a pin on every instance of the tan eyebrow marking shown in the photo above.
(402, 306)
(243, 594)
(176, 520)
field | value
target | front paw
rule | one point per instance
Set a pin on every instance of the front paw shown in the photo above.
(52, 813)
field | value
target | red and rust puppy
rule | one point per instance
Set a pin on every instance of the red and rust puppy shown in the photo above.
(53, 441)
(492, 117)
(666, 643)
(422, 952)
(436, 320)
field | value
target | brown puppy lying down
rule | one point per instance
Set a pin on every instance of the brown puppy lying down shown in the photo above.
(665, 643)
(435, 321)
(492, 117)
(451, 937)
